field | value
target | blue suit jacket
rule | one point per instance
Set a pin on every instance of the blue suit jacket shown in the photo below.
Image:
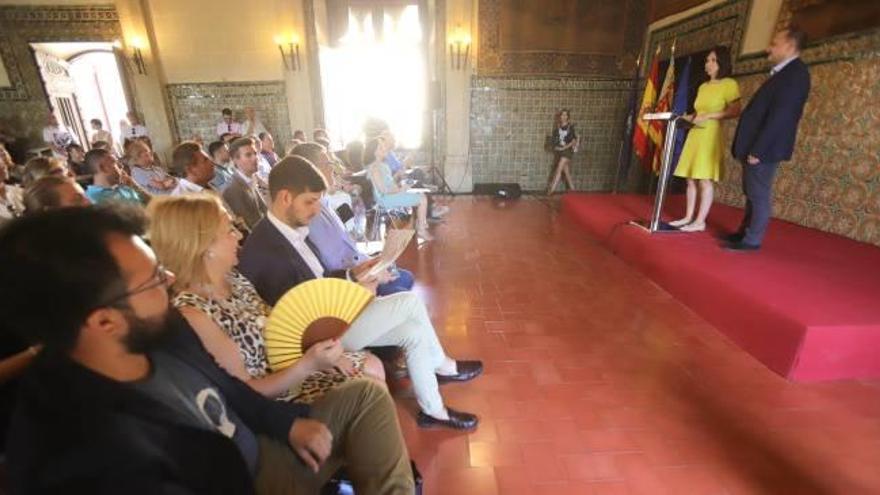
(272, 264)
(768, 125)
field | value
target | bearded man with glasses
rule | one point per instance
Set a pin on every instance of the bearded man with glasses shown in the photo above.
(123, 398)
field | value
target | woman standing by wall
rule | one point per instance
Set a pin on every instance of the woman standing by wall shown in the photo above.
(703, 154)
(565, 142)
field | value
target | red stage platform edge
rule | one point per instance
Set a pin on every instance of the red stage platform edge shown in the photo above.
(807, 305)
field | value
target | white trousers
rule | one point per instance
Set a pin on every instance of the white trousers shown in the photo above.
(402, 320)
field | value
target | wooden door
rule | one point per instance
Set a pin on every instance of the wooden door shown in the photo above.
(61, 93)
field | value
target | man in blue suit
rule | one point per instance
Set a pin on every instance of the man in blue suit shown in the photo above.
(766, 134)
(278, 256)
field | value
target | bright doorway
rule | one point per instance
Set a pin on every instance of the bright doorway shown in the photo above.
(83, 82)
(376, 69)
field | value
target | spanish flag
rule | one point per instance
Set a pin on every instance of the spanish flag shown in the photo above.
(641, 144)
(657, 130)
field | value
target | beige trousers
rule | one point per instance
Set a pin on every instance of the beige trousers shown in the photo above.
(402, 320)
(366, 439)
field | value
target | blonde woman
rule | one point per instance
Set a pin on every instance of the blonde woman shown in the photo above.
(42, 166)
(194, 238)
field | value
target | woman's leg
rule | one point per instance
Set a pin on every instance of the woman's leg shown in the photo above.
(422, 218)
(707, 195)
(566, 173)
(557, 170)
(707, 192)
(691, 204)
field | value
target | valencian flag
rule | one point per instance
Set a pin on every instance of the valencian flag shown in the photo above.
(664, 104)
(680, 107)
(641, 143)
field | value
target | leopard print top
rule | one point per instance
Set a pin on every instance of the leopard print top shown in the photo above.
(243, 317)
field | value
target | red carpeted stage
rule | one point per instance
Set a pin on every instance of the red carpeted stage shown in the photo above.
(807, 305)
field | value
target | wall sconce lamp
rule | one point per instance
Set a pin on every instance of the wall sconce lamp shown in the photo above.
(459, 48)
(288, 46)
(137, 44)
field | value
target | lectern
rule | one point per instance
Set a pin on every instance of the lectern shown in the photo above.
(673, 122)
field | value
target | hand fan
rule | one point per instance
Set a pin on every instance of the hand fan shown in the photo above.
(313, 311)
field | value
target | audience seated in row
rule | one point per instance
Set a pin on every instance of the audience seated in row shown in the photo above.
(146, 172)
(111, 183)
(51, 192)
(193, 167)
(194, 238)
(386, 191)
(11, 196)
(224, 170)
(278, 256)
(124, 397)
(242, 195)
(327, 233)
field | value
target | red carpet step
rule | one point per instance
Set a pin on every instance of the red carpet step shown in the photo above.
(807, 305)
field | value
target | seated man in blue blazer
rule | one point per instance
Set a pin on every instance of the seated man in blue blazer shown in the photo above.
(766, 134)
(278, 256)
(327, 232)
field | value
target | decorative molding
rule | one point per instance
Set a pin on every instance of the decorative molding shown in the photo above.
(494, 62)
(59, 13)
(722, 24)
(533, 84)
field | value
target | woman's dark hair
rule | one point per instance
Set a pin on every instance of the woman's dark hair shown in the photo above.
(557, 119)
(722, 56)
(75, 280)
(369, 154)
(295, 174)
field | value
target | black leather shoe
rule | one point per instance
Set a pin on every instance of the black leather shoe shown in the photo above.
(457, 420)
(467, 370)
(733, 238)
(741, 246)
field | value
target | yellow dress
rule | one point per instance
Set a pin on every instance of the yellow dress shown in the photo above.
(703, 153)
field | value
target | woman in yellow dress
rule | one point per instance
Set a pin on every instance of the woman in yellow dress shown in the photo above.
(703, 154)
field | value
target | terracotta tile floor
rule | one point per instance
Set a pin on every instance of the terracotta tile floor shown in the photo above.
(598, 382)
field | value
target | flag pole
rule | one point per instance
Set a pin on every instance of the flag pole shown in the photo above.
(624, 154)
(651, 142)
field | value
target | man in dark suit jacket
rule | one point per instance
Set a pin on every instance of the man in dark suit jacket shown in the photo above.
(766, 134)
(278, 256)
(242, 194)
(125, 399)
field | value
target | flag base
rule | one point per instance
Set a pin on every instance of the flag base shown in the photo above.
(662, 228)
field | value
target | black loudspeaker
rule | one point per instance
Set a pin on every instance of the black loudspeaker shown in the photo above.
(499, 190)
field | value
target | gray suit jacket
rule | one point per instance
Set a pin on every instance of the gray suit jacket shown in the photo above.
(244, 201)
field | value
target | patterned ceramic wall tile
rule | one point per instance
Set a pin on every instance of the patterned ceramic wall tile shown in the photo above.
(196, 107)
(23, 105)
(510, 117)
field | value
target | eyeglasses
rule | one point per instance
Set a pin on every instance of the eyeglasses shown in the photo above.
(160, 277)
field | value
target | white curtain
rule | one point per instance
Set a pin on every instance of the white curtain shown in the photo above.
(376, 70)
